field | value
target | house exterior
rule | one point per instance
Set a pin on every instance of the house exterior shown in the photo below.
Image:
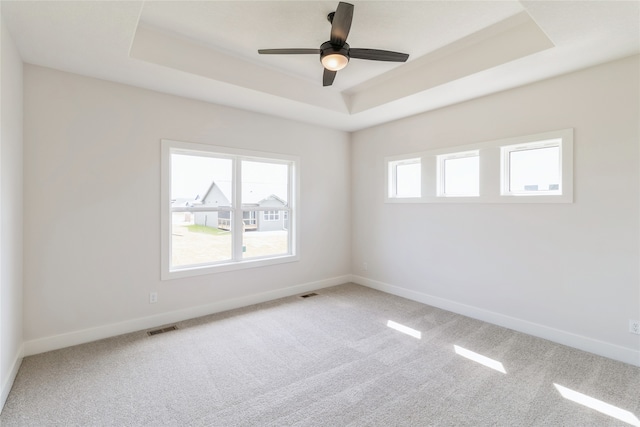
(215, 198)
(260, 220)
(272, 219)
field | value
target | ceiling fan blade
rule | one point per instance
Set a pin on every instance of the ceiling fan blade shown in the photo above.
(378, 55)
(328, 77)
(292, 51)
(341, 24)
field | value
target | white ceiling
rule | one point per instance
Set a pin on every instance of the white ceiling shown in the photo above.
(207, 50)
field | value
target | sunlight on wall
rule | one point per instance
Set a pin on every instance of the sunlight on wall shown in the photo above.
(598, 405)
(404, 329)
(483, 360)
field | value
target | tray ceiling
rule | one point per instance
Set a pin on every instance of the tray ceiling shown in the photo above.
(207, 50)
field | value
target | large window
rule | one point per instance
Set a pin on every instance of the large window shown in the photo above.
(222, 209)
(527, 169)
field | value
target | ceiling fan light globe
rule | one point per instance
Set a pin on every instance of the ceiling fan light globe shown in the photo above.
(335, 61)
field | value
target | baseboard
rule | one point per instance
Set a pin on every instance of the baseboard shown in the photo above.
(601, 348)
(69, 339)
(8, 382)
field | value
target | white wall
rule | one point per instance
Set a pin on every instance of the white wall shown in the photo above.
(569, 273)
(10, 213)
(92, 208)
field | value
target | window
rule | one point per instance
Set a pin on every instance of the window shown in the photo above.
(532, 169)
(459, 174)
(526, 169)
(271, 215)
(404, 178)
(249, 218)
(212, 198)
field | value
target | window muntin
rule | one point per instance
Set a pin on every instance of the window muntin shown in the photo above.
(405, 178)
(532, 169)
(459, 174)
(205, 189)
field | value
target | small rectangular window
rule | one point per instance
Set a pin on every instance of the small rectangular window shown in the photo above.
(405, 178)
(532, 169)
(459, 174)
(524, 169)
(271, 215)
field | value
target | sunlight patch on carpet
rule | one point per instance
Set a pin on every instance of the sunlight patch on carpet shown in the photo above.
(478, 358)
(598, 405)
(404, 329)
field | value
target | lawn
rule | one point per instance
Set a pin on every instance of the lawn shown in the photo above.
(194, 228)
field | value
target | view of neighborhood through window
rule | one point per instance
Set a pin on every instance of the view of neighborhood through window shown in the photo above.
(200, 236)
(204, 212)
(459, 174)
(534, 170)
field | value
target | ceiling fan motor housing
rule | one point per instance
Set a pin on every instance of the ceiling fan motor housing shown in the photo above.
(330, 49)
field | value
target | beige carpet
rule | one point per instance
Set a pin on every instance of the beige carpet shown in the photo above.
(328, 360)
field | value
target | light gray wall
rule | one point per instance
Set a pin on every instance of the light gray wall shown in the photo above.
(92, 207)
(568, 272)
(11, 189)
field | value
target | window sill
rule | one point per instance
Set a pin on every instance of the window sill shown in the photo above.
(231, 266)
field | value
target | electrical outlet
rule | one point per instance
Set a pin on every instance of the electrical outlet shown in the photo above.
(634, 326)
(365, 267)
(153, 297)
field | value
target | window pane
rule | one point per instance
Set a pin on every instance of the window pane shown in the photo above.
(533, 170)
(269, 236)
(200, 180)
(462, 176)
(408, 180)
(265, 184)
(200, 238)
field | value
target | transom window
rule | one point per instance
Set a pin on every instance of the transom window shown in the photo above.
(213, 200)
(459, 174)
(527, 169)
(532, 169)
(405, 178)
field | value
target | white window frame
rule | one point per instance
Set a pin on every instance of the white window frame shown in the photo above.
(441, 170)
(492, 171)
(505, 159)
(392, 174)
(169, 147)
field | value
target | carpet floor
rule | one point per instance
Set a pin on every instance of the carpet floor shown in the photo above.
(349, 356)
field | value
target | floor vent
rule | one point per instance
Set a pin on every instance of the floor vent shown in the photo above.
(162, 330)
(312, 294)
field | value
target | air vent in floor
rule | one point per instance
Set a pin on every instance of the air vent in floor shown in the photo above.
(312, 294)
(162, 330)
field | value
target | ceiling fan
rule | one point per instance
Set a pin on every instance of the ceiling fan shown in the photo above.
(335, 53)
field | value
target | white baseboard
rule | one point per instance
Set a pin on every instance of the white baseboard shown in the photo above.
(8, 382)
(55, 342)
(601, 348)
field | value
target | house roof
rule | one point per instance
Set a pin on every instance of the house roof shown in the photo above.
(273, 197)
